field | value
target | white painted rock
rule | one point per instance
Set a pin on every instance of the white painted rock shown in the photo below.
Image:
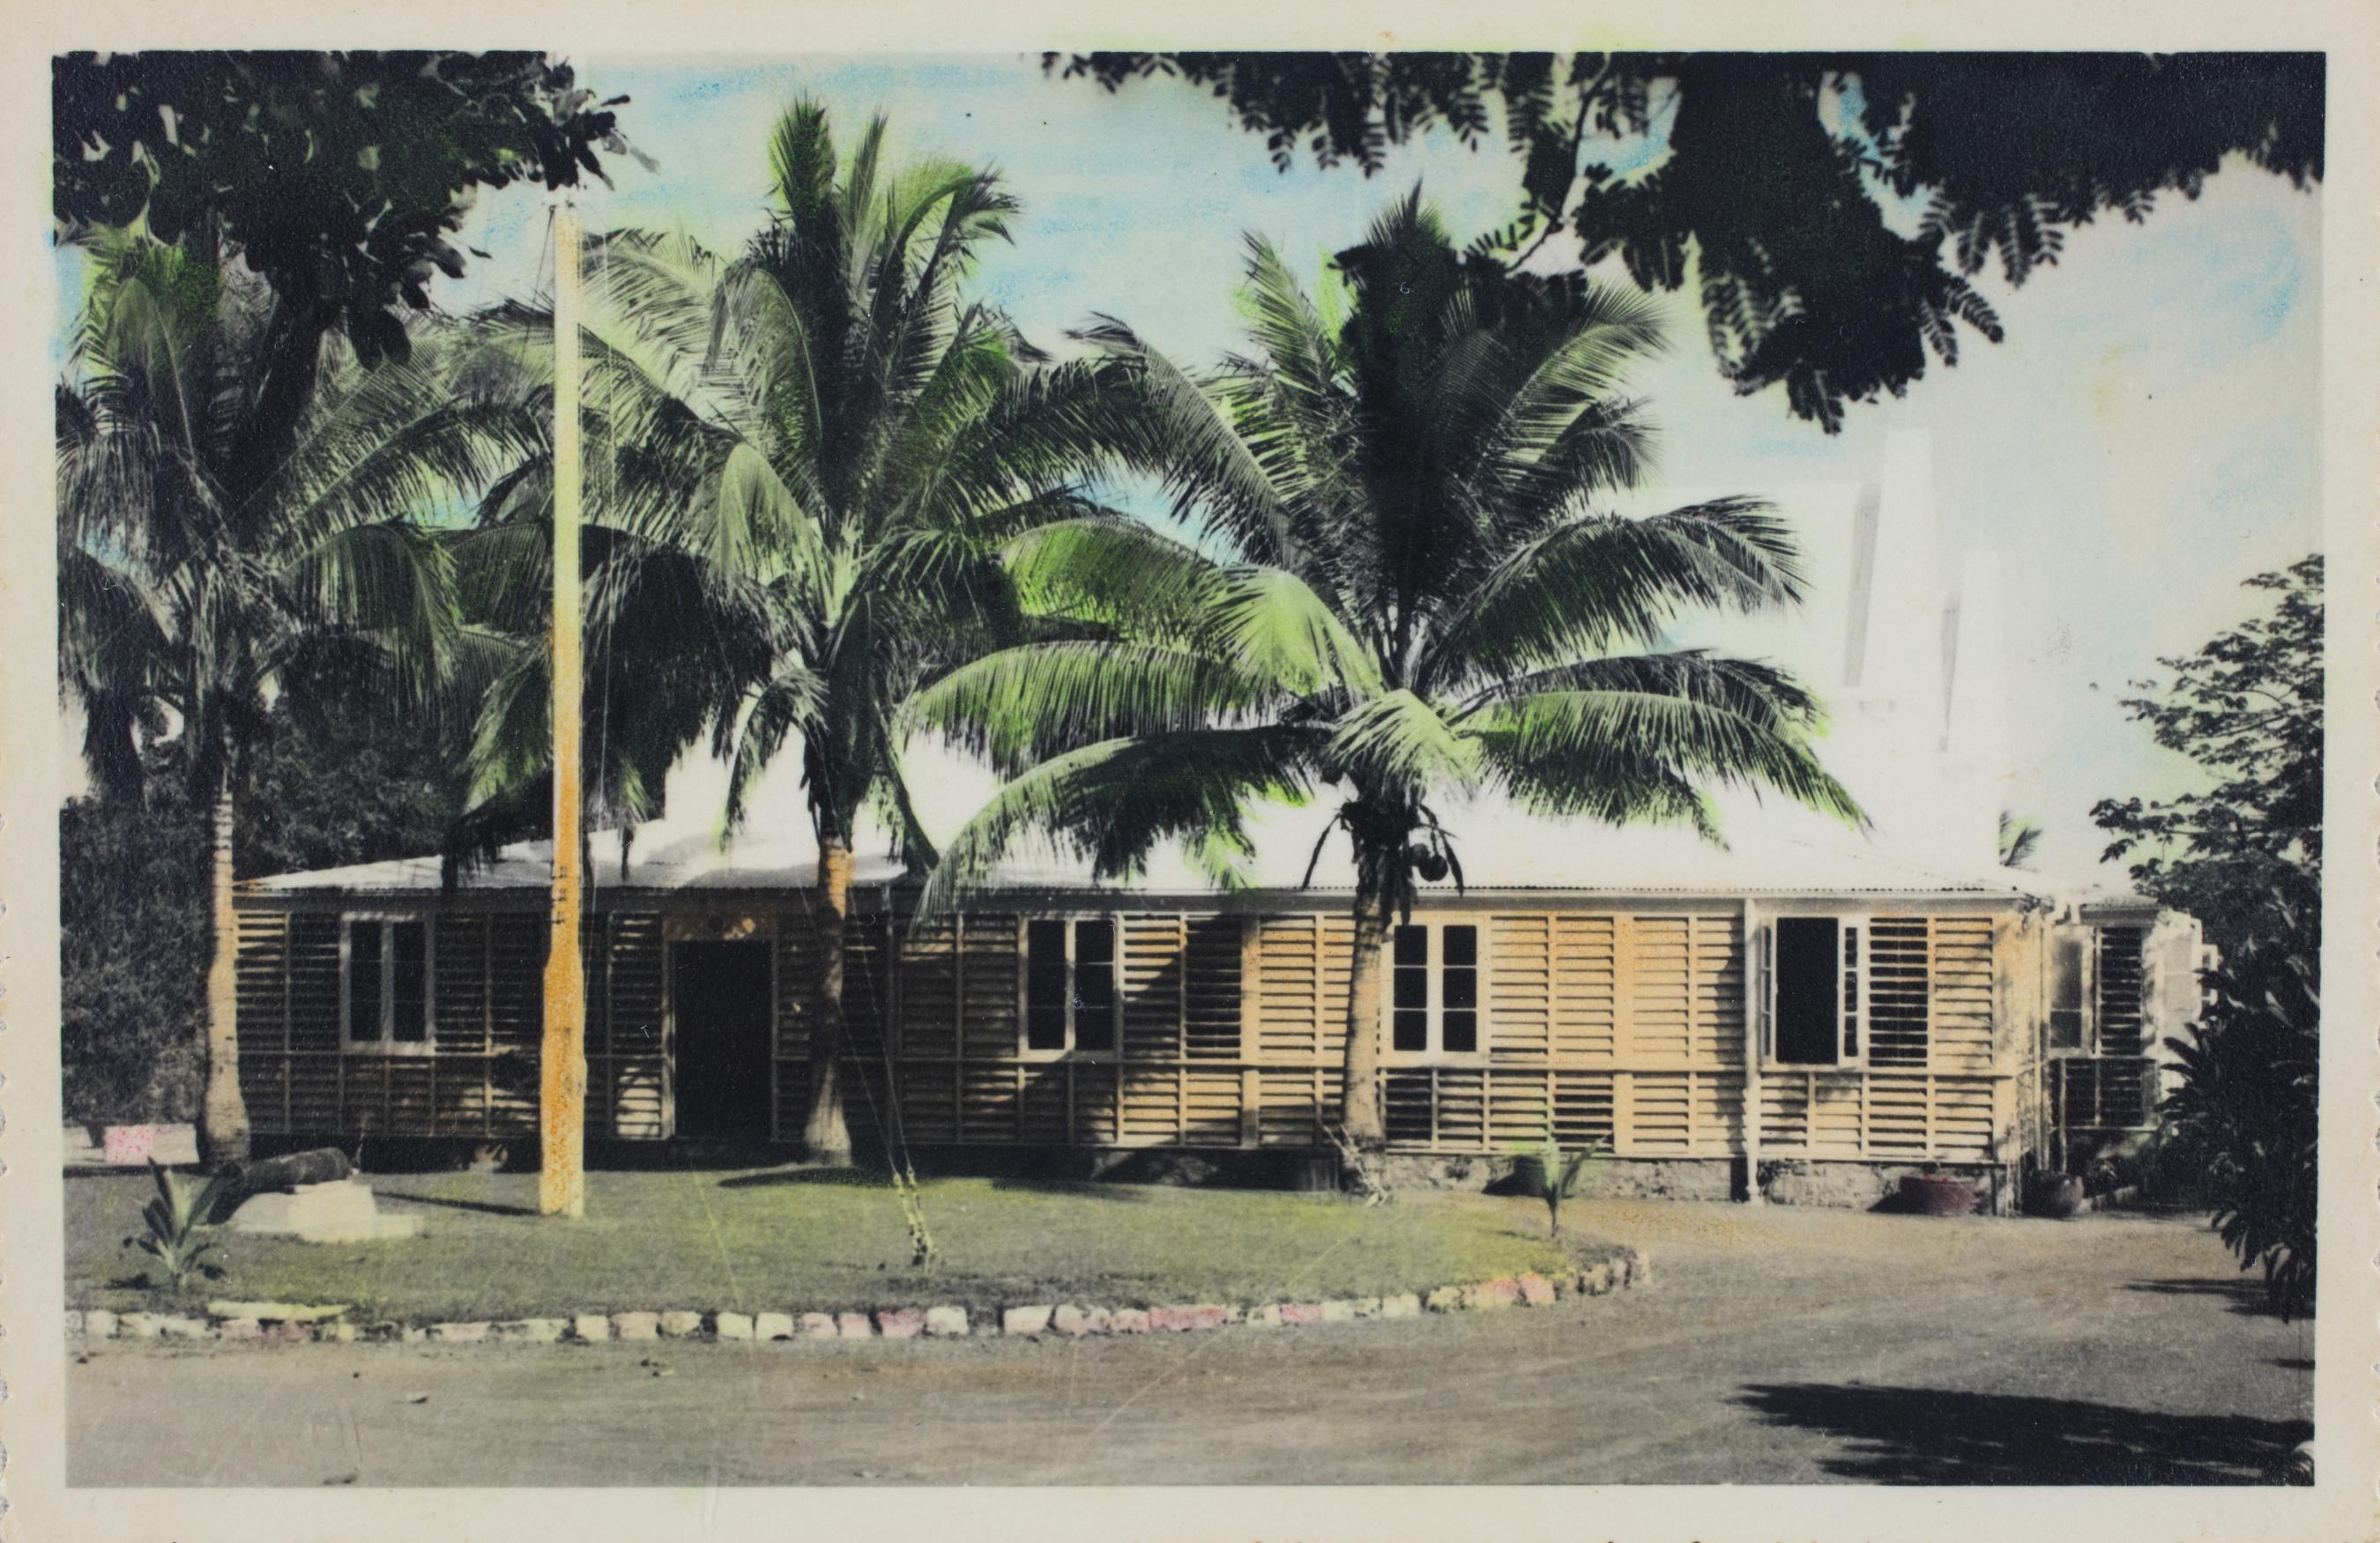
(342, 1212)
(278, 1312)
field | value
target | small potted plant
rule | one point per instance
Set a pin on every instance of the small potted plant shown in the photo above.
(2054, 1195)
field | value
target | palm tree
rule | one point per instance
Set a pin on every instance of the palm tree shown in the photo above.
(1403, 586)
(677, 614)
(823, 447)
(198, 585)
(2018, 838)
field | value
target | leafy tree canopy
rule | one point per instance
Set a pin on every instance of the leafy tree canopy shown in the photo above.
(339, 176)
(2244, 854)
(1834, 208)
(2247, 708)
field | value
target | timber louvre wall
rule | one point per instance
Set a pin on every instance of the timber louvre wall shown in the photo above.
(1623, 1024)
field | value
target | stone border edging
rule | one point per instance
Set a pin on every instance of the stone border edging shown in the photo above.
(299, 1323)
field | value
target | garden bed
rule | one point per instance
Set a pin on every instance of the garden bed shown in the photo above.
(767, 1240)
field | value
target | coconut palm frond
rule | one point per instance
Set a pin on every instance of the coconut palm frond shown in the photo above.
(1112, 803)
(1593, 582)
(1400, 745)
(2019, 839)
(1697, 740)
(1186, 434)
(1021, 705)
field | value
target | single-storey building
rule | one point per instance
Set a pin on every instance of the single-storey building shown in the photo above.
(1804, 1015)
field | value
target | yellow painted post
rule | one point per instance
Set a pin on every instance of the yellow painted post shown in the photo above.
(562, 1090)
(1755, 1012)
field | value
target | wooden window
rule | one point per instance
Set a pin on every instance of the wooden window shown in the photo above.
(1434, 989)
(2067, 1027)
(1847, 991)
(386, 963)
(2122, 969)
(1071, 999)
(1898, 980)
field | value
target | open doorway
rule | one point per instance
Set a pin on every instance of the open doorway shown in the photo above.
(720, 999)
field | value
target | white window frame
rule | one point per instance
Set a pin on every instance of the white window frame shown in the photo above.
(385, 1042)
(1435, 1054)
(1853, 989)
(1074, 1048)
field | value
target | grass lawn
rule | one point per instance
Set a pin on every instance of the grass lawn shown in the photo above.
(777, 1240)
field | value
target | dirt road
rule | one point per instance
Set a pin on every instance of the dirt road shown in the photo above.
(1772, 1346)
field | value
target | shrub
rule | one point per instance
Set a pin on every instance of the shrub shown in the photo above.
(175, 1223)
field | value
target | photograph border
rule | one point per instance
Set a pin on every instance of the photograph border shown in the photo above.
(2341, 1504)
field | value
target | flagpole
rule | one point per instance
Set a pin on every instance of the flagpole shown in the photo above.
(562, 1092)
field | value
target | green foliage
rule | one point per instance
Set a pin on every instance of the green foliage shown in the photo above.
(193, 590)
(1549, 1173)
(2248, 1101)
(132, 955)
(2243, 852)
(806, 458)
(1416, 592)
(2247, 708)
(2018, 838)
(1769, 181)
(338, 176)
(175, 1225)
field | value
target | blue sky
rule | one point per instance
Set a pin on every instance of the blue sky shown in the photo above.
(2146, 439)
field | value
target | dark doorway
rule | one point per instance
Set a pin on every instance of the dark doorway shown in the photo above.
(1807, 1015)
(721, 997)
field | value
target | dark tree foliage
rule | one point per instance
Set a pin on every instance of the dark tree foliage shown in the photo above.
(337, 177)
(344, 786)
(2244, 854)
(2247, 707)
(1776, 189)
(132, 953)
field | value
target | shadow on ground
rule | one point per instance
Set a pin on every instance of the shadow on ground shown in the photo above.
(489, 1208)
(1936, 1436)
(2245, 1297)
(772, 1178)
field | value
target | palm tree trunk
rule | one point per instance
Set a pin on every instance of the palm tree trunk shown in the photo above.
(223, 1117)
(1360, 1109)
(826, 1136)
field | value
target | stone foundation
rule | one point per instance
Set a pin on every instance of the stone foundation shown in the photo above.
(1700, 1179)
(1849, 1186)
(1663, 1178)
(1871, 1185)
